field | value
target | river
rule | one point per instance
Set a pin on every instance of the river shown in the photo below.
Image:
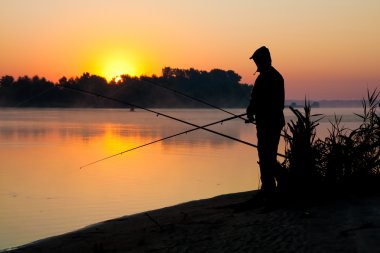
(43, 191)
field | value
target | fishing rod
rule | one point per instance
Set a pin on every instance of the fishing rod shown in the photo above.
(167, 116)
(198, 100)
(158, 114)
(169, 137)
(193, 98)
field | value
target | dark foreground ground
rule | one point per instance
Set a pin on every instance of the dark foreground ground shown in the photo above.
(350, 224)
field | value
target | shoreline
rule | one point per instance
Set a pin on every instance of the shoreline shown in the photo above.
(350, 224)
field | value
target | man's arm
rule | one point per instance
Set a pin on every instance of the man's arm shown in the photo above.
(251, 109)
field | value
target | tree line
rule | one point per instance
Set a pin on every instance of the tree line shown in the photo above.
(218, 87)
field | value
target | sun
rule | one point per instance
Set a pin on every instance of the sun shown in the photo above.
(113, 69)
(118, 79)
(112, 62)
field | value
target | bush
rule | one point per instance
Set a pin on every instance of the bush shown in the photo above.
(350, 158)
(346, 160)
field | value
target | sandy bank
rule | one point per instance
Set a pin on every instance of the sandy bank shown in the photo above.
(214, 225)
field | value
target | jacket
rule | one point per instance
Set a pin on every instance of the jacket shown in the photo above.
(267, 99)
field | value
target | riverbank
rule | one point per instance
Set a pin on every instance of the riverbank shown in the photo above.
(350, 224)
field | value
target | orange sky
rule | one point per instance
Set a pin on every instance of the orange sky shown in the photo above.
(325, 49)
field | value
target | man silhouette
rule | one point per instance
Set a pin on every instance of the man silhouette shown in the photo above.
(266, 107)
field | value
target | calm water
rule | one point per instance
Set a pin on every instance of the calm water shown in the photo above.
(43, 191)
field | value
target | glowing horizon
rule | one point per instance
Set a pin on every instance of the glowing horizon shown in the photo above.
(323, 49)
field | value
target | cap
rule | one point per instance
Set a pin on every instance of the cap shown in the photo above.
(262, 58)
(261, 53)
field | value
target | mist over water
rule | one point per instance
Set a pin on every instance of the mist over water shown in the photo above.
(43, 192)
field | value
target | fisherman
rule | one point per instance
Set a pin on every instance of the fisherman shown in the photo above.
(266, 108)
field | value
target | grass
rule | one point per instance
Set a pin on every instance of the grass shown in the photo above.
(347, 159)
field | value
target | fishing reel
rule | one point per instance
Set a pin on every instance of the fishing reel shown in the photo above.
(251, 119)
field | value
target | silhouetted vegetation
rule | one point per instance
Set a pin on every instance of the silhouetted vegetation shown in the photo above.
(346, 160)
(218, 87)
(300, 149)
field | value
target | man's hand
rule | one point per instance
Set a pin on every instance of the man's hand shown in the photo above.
(250, 119)
(250, 114)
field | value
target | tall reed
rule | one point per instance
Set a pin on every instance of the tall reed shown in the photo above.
(350, 158)
(347, 159)
(300, 149)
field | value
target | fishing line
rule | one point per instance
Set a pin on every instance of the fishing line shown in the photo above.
(168, 137)
(193, 98)
(33, 97)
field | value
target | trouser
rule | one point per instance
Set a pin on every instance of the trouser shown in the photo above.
(268, 138)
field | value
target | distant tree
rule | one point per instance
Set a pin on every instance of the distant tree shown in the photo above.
(62, 81)
(6, 81)
(218, 87)
(6, 90)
